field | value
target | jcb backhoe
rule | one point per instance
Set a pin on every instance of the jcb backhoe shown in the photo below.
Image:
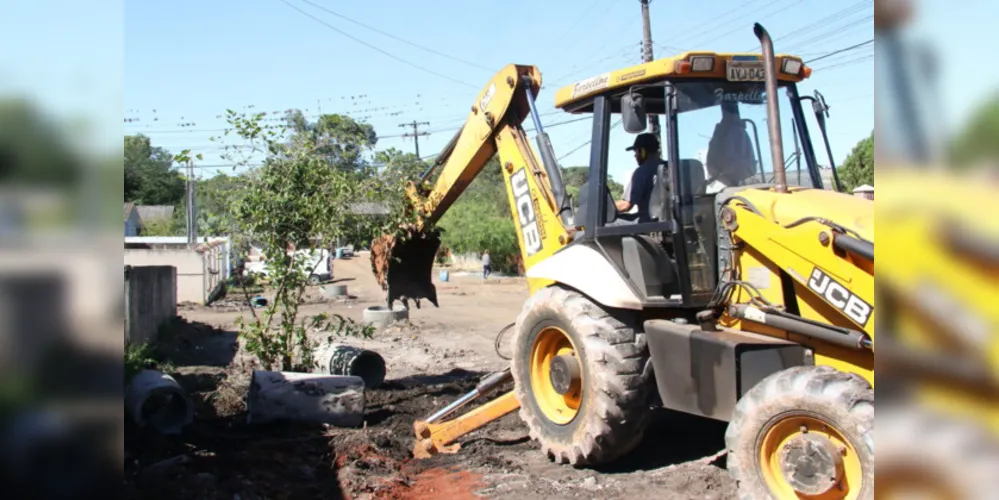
(750, 303)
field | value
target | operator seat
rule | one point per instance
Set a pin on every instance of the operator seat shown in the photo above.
(659, 203)
(695, 176)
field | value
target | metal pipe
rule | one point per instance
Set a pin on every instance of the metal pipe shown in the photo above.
(487, 384)
(852, 339)
(547, 156)
(797, 149)
(773, 108)
(850, 244)
(821, 110)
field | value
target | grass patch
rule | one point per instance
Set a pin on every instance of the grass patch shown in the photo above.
(140, 357)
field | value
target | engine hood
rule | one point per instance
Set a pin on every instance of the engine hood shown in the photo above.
(851, 212)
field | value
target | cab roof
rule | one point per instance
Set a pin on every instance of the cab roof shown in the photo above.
(676, 67)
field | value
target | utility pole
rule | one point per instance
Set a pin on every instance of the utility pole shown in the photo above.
(416, 133)
(192, 214)
(647, 57)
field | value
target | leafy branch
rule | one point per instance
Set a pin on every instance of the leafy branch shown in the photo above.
(296, 206)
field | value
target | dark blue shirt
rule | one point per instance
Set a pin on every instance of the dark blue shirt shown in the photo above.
(639, 190)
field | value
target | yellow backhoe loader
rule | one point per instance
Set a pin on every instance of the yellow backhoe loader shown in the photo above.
(749, 301)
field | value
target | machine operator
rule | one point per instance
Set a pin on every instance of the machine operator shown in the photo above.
(638, 191)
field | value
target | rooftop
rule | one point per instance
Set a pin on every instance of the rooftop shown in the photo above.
(668, 67)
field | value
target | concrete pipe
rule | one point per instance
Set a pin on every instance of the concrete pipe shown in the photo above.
(155, 399)
(381, 316)
(305, 398)
(341, 359)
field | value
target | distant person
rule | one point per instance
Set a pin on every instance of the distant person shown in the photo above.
(487, 265)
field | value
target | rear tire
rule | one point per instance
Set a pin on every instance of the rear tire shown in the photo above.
(612, 401)
(836, 406)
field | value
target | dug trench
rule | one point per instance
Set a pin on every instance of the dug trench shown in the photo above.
(219, 456)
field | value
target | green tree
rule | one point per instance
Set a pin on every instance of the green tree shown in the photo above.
(338, 138)
(163, 226)
(149, 175)
(481, 218)
(574, 177)
(858, 168)
(214, 199)
(977, 139)
(398, 165)
(295, 201)
(33, 149)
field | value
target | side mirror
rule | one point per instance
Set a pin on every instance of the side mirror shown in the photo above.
(633, 113)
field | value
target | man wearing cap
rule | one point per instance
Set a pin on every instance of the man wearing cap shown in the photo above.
(638, 192)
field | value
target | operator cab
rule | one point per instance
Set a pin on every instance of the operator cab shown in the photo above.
(710, 148)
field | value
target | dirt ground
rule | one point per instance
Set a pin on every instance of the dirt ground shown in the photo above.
(432, 360)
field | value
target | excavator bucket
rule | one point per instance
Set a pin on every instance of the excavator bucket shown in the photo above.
(403, 265)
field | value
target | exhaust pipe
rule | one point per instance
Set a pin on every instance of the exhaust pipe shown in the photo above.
(773, 108)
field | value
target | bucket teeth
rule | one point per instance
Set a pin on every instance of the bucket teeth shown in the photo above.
(403, 266)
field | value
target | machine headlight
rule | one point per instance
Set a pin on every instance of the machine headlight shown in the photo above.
(791, 66)
(702, 63)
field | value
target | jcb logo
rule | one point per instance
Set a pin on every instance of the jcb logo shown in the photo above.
(526, 216)
(836, 294)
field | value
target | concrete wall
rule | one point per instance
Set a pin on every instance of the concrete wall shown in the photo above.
(33, 318)
(88, 273)
(189, 264)
(465, 262)
(150, 299)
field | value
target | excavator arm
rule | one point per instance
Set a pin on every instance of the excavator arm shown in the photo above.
(542, 212)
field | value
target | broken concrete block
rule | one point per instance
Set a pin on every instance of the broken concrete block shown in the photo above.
(305, 398)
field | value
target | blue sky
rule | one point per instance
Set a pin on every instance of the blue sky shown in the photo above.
(67, 57)
(186, 61)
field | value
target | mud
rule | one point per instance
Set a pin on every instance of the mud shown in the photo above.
(431, 360)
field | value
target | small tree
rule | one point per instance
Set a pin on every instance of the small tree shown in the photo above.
(858, 168)
(293, 206)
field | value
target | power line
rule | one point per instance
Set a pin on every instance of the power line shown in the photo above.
(835, 16)
(610, 4)
(391, 136)
(832, 33)
(840, 51)
(372, 47)
(846, 63)
(739, 24)
(701, 28)
(583, 145)
(589, 67)
(556, 124)
(390, 35)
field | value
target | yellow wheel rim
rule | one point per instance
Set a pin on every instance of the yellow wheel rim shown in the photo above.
(849, 476)
(558, 408)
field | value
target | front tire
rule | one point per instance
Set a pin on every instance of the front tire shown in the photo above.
(934, 455)
(603, 413)
(807, 431)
